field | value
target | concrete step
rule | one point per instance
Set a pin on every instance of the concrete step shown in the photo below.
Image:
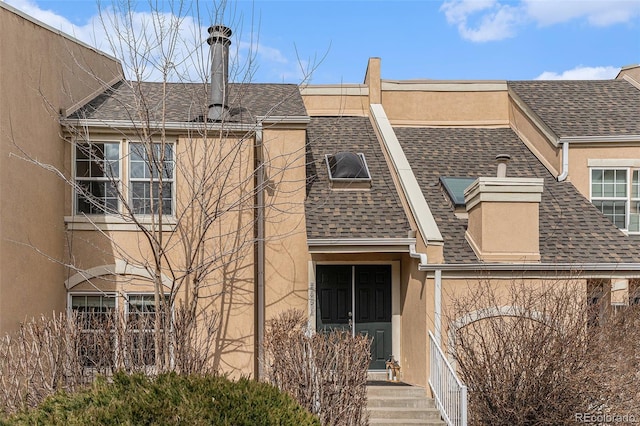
(395, 405)
(396, 391)
(400, 402)
(398, 413)
(406, 422)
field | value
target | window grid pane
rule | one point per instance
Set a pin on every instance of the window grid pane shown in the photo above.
(97, 176)
(96, 317)
(145, 178)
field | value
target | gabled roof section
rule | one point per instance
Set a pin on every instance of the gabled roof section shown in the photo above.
(188, 102)
(584, 107)
(572, 230)
(374, 213)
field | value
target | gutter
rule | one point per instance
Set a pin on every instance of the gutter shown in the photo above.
(510, 267)
(565, 161)
(169, 125)
(260, 251)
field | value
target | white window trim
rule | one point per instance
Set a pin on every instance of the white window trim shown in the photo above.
(74, 198)
(117, 222)
(628, 166)
(147, 217)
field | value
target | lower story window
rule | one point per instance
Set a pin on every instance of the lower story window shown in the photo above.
(106, 336)
(141, 322)
(96, 315)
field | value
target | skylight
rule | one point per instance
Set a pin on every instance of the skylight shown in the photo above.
(348, 169)
(455, 187)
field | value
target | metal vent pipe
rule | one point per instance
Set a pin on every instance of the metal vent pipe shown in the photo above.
(219, 41)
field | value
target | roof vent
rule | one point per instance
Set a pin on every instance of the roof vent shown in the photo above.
(348, 170)
(502, 160)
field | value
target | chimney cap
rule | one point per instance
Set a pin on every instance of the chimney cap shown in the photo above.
(218, 33)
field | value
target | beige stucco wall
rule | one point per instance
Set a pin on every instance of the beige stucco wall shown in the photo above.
(535, 139)
(336, 101)
(225, 168)
(417, 304)
(460, 289)
(41, 72)
(580, 154)
(286, 254)
(509, 230)
(431, 105)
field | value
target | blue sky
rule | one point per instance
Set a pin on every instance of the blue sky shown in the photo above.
(454, 39)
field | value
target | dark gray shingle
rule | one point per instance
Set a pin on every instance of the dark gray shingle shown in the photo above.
(572, 230)
(373, 213)
(185, 102)
(583, 108)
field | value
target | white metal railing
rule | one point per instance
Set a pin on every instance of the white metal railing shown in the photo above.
(449, 392)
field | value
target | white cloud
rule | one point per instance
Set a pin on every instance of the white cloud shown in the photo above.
(597, 12)
(187, 53)
(490, 20)
(581, 73)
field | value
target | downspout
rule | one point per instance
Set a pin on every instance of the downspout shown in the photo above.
(437, 291)
(565, 161)
(260, 249)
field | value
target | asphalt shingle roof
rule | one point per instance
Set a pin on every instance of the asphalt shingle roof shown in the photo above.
(187, 102)
(371, 213)
(583, 108)
(572, 230)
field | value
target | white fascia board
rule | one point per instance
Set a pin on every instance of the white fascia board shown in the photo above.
(580, 268)
(445, 85)
(613, 162)
(360, 241)
(600, 139)
(412, 191)
(284, 119)
(359, 245)
(335, 90)
(169, 125)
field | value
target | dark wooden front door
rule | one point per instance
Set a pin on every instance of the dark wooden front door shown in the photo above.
(365, 288)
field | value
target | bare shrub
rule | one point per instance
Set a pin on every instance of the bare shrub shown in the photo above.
(67, 351)
(533, 363)
(325, 372)
(618, 343)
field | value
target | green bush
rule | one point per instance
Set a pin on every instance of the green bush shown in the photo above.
(168, 399)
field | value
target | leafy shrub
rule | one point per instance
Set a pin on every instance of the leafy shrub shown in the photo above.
(168, 399)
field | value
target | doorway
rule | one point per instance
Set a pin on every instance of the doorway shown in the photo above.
(357, 298)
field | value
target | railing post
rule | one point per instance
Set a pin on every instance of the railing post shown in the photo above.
(450, 394)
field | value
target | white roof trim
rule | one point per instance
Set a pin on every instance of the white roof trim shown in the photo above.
(169, 125)
(339, 90)
(444, 85)
(417, 203)
(600, 139)
(312, 242)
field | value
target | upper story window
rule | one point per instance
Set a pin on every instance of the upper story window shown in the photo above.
(616, 192)
(151, 178)
(98, 177)
(100, 167)
(348, 170)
